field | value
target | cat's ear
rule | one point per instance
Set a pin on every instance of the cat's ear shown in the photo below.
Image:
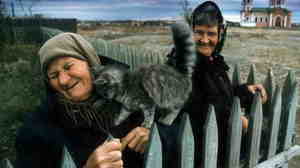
(97, 69)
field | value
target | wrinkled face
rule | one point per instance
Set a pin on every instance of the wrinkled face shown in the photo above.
(108, 82)
(206, 38)
(70, 77)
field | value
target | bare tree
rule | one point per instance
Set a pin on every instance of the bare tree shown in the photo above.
(2, 14)
(186, 10)
(27, 6)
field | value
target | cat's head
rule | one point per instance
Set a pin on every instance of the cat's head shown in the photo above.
(108, 80)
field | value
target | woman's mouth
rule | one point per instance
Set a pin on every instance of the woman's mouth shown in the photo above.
(72, 86)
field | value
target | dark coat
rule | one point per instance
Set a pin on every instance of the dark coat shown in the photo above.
(40, 140)
(211, 85)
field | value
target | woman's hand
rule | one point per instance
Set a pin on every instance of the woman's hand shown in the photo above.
(136, 139)
(107, 155)
(261, 89)
(245, 123)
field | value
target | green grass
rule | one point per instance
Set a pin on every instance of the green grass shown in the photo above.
(21, 89)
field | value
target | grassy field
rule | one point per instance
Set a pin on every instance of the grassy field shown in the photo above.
(22, 86)
(20, 91)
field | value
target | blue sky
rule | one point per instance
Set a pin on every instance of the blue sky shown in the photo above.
(134, 9)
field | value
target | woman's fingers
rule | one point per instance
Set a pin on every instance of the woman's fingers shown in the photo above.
(259, 87)
(106, 155)
(127, 139)
(137, 139)
(117, 164)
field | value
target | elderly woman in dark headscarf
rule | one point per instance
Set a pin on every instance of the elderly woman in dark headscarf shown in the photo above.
(69, 118)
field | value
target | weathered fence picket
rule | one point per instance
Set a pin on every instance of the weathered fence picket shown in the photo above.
(5, 163)
(234, 136)
(277, 143)
(269, 85)
(210, 140)
(67, 161)
(186, 143)
(273, 124)
(154, 153)
(254, 131)
(288, 117)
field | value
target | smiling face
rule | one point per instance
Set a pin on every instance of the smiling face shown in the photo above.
(70, 77)
(206, 38)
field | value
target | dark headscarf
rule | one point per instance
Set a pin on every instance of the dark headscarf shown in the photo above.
(208, 13)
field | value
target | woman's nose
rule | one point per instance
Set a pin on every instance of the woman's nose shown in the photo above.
(63, 78)
(204, 38)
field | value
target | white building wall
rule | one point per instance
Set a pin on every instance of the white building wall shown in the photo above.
(270, 20)
(285, 21)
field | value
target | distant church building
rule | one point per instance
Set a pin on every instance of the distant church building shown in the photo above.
(276, 15)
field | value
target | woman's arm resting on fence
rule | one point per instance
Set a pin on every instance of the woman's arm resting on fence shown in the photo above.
(106, 155)
(136, 139)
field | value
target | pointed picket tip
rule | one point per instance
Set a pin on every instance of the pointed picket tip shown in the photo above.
(251, 77)
(234, 136)
(67, 161)
(236, 77)
(153, 155)
(211, 117)
(210, 147)
(269, 83)
(5, 163)
(291, 76)
(186, 143)
(289, 82)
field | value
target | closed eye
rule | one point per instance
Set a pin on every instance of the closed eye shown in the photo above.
(53, 75)
(68, 66)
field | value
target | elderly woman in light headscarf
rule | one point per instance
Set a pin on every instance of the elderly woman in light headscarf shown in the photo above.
(69, 118)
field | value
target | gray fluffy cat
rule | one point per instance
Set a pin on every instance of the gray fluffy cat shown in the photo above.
(152, 88)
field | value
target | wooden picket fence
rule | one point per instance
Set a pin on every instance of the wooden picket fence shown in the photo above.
(272, 151)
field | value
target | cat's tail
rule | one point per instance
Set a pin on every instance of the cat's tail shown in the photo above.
(185, 57)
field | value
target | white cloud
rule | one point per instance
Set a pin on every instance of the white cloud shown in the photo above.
(232, 17)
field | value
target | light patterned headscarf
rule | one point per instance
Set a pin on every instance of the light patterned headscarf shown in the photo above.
(67, 44)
